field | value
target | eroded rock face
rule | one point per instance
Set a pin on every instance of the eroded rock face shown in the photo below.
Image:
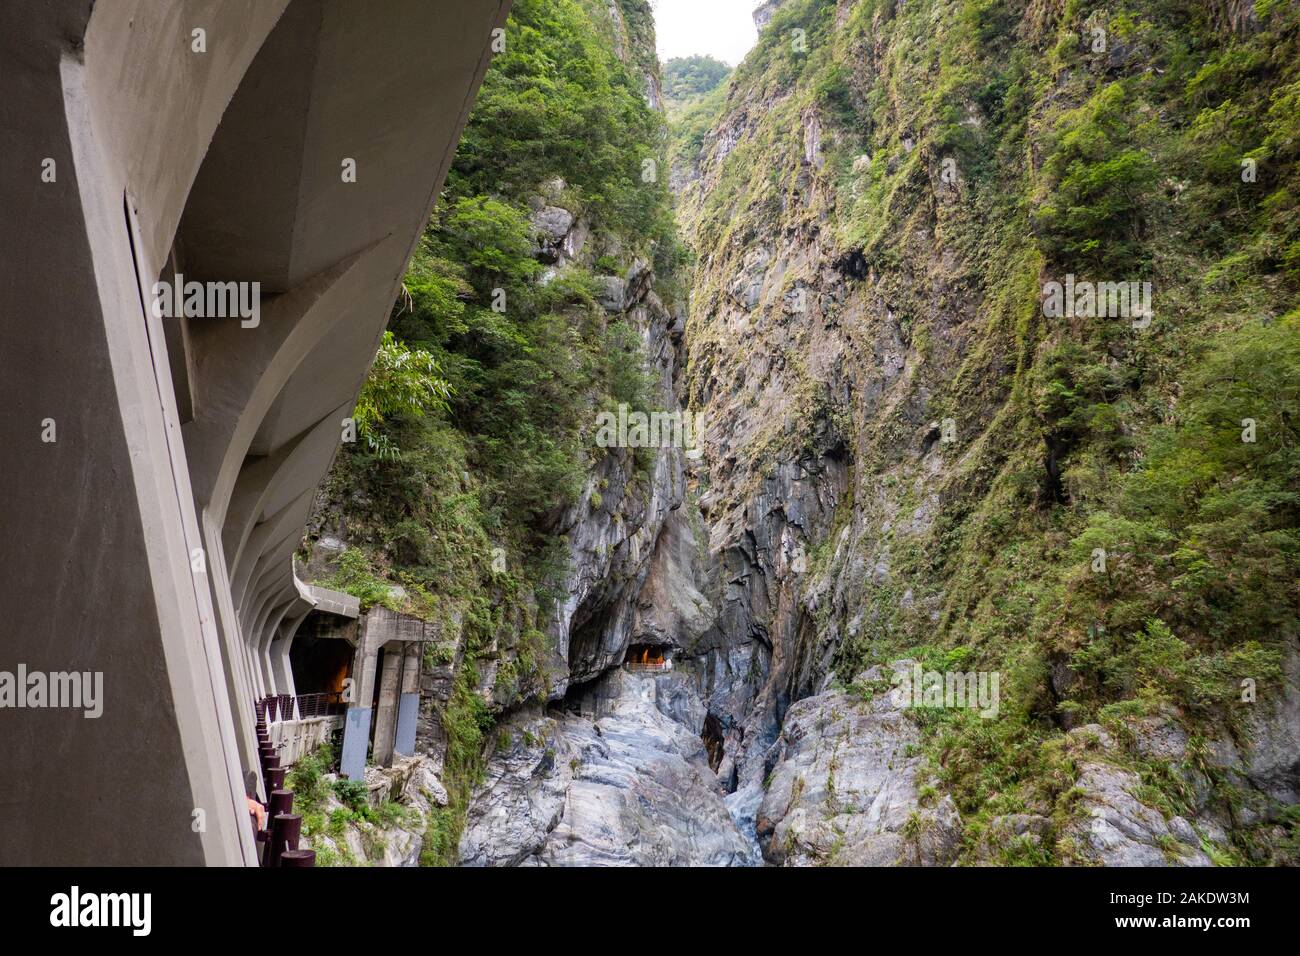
(816, 370)
(759, 554)
(1117, 829)
(1262, 769)
(521, 798)
(1111, 825)
(622, 783)
(413, 785)
(614, 528)
(835, 429)
(846, 788)
(764, 12)
(1272, 760)
(670, 608)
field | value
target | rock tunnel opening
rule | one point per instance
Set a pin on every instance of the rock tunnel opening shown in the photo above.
(648, 657)
(321, 665)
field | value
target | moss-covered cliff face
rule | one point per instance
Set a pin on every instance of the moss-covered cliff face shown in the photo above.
(912, 453)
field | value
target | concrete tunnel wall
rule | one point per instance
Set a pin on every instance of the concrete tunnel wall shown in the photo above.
(184, 437)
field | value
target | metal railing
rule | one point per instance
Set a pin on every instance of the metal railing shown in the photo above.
(278, 843)
(649, 667)
(280, 707)
(319, 705)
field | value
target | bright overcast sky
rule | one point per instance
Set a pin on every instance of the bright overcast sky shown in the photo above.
(721, 28)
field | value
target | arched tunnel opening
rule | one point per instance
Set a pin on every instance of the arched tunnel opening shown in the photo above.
(648, 657)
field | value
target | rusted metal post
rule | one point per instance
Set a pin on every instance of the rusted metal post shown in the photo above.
(286, 828)
(281, 802)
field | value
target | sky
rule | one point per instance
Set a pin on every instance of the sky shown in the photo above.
(723, 29)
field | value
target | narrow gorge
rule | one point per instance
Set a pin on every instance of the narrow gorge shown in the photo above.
(868, 451)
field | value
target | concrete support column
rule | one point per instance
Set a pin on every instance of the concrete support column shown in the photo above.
(280, 660)
(356, 728)
(254, 673)
(408, 704)
(386, 715)
(266, 634)
(238, 677)
(138, 448)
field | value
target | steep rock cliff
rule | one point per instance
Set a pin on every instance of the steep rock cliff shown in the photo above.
(543, 294)
(910, 462)
(907, 455)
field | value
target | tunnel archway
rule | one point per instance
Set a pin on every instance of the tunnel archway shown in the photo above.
(207, 436)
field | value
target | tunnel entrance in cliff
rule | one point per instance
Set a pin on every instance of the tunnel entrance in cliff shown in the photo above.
(321, 656)
(648, 657)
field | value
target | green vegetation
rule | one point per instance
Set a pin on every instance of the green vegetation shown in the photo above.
(558, 102)
(693, 76)
(692, 122)
(1114, 530)
(1173, 157)
(401, 382)
(1097, 181)
(467, 722)
(306, 780)
(354, 575)
(311, 793)
(476, 425)
(688, 79)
